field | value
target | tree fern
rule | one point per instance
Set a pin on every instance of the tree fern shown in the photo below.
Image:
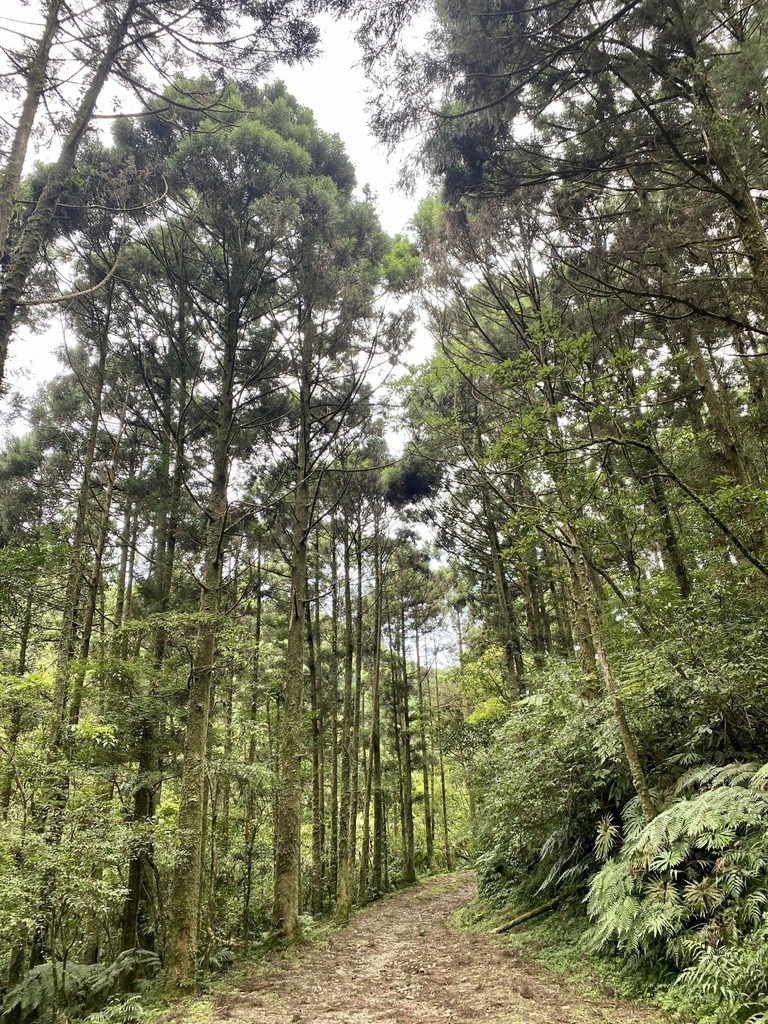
(127, 1010)
(608, 836)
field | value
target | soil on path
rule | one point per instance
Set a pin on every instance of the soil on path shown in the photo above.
(401, 962)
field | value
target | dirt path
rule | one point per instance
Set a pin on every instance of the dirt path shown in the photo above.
(402, 963)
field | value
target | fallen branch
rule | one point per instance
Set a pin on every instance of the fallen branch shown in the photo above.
(527, 916)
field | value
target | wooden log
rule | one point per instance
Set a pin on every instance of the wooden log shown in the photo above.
(527, 916)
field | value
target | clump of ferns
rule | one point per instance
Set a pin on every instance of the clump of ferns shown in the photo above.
(78, 992)
(694, 879)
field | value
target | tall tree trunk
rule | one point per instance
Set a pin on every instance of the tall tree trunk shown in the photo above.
(428, 825)
(355, 751)
(137, 930)
(186, 880)
(212, 801)
(92, 591)
(373, 786)
(250, 802)
(135, 934)
(535, 618)
(379, 835)
(14, 723)
(446, 834)
(318, 787)
(719, 415)
(64, 652)
(510, 629)
(560, 600)
(409, 862)
(229, 735)
(126, 607)
(321, 727)
(670, 539)
(285, 908)
(333, 672)
(722, 149)
(394, 678)
(343, 885)
(591, 616)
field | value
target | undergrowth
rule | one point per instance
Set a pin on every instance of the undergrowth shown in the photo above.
(560, 941)
(690, 889)
(679, 910)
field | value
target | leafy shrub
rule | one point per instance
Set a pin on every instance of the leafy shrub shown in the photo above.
(545, 776)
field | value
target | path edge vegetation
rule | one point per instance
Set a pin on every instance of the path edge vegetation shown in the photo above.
(559, 940)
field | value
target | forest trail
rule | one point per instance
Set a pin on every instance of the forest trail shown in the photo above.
(401, 962)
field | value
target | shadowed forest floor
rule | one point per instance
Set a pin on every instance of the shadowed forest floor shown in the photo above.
(401, 962)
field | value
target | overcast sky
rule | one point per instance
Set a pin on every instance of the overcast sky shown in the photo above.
(335, 89)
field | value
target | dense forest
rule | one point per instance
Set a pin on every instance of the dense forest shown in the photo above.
(287, 620)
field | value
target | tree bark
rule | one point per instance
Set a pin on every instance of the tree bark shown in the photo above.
(14, 723)
(428, 824)
(343, 886)
(373, 786)
(355, 751)
(409, 861)
(379, 837)
(285, 908)
(333, 672)
(446, 834)
(250, 802)
(627, 738)
(92, 590)
(36, 78)
(510, 638)
(75, 574)
(186, 879)
(318, 782)
(528, 916)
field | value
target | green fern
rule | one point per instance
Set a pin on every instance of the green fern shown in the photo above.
(77, 988)
(691, 886)
(128, 1010)
(608, 835)
(734, 974)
